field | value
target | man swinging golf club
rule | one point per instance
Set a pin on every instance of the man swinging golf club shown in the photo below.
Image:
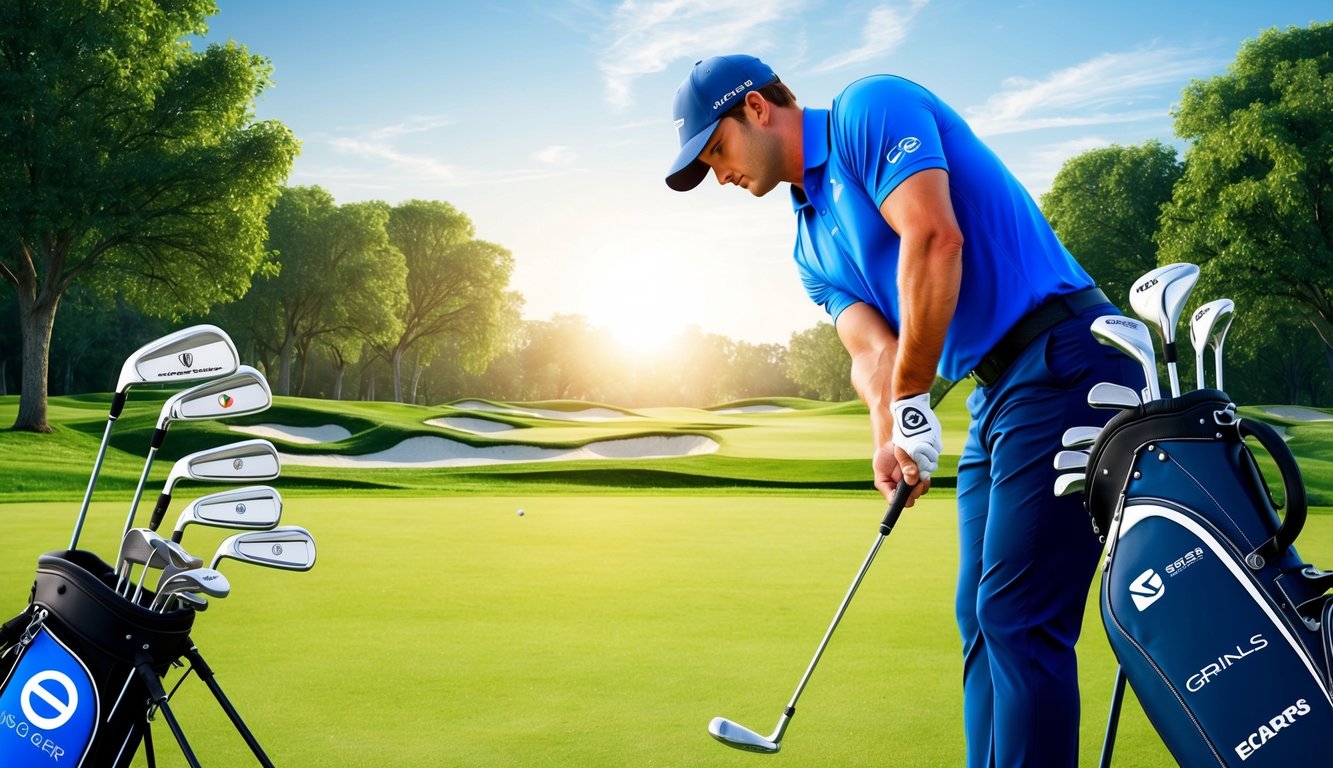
(930, 257)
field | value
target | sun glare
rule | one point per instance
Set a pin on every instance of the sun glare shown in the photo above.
(641, 303)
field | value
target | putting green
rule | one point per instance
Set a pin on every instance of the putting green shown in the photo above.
(593, 631)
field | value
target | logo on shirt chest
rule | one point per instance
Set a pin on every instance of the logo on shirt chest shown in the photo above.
(906, 146)
(837, 189)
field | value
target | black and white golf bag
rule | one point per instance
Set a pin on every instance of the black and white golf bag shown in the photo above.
(1220, 627)
(80, 668)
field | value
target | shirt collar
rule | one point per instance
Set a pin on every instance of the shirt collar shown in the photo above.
(815, 149)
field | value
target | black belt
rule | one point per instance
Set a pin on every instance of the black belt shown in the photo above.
(1029, 327)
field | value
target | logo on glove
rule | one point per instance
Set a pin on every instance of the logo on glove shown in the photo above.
(913, 421)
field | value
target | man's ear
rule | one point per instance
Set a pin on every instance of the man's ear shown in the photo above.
(757, 107)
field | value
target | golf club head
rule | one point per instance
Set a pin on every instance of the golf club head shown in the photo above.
(1080, 437)
(255, 507)
(1160, 295)
(205, 580)
(1067, 460)
(740, 737)
(1107, 395)
(1209, 326)
(246, 461)
(1070, 483)
(289, 547)
(197, 352)
(191, 601)
(243, 392)
(1132, 338)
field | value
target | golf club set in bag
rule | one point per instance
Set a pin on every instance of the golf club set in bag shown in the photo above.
(82, 667)
(1220, 627)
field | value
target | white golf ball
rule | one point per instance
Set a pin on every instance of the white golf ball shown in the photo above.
(520, 513)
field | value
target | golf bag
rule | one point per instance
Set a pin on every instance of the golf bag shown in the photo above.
(81, 666)
(1220, 628)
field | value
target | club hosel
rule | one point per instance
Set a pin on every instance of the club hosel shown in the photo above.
(159, 435)
(159, 510)
(117, 405)
(1169, 352)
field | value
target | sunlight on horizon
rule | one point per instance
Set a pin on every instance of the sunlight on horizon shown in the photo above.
(641, 299)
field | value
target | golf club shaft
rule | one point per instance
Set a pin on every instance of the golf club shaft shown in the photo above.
(92, 483)
(900, 496)
(1217, 364)
(138, 490)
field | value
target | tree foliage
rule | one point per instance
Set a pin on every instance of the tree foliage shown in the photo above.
(129, 163)
(820, 365)
(1255, 206)
(1105, 204)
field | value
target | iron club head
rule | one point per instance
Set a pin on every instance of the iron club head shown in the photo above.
(1107, 395)
(1080, 437)
(241, 393)
(256, 507)
(190, 354)
(248, 460)
(289, 547)
(740, 737)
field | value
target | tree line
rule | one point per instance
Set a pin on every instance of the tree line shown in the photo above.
(138, 193)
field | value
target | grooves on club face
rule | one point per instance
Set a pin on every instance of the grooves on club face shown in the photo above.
(740, 737)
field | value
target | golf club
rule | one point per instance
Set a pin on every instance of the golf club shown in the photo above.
(1067, 460)
(1209, 326)
(257, 507)
(289, 547)
(197, 352)
(740, 737)
(138, 547)
(205, 580)
(1107, 395)
(1132, 338)
(1080, 437)
(243, 392)
(1159, 297)
(172, 554)
(1070, 483)
(248, 460)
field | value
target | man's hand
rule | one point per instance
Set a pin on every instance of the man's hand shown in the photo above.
(888, 472)
(916, 437)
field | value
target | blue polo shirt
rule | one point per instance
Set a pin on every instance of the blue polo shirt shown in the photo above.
(880, 131)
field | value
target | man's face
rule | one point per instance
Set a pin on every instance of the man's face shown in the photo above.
(743, 153)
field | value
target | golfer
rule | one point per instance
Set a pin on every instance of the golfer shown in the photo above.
(930, 257)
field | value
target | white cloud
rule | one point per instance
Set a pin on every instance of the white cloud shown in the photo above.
(650, 36)
(885, 27)
(1110, 88)
(556, 156)
(396, 167)
(412, 125)
(1038, 169)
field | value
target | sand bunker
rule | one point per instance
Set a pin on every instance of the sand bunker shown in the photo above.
(428, 452)
(1296, 413)
(328, 433)
(756, 409)
(586, 414)
(475, 426)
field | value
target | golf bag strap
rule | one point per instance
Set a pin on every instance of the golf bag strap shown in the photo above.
(11, 630)
(1294, 518)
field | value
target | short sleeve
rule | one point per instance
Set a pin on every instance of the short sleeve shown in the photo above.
(886, 129)
(833, 300)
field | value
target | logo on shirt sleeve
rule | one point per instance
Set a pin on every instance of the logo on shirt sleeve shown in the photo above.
(906, 146)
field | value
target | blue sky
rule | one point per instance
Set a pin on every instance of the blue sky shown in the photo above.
(549, 123)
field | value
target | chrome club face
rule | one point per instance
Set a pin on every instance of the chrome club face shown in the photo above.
(190, 354)
(1209, 326)
(245, 461)
(1107, 395)
(1132, 338)
(740, 737)
(1158, 298)
(289, 547)
(256, 507)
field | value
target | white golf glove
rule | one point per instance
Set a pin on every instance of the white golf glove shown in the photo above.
(917, 431)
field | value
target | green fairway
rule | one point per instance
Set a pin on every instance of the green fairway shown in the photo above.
(591, 631)
(632, 602)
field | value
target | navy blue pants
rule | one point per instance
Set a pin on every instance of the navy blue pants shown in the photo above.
(1028, 557)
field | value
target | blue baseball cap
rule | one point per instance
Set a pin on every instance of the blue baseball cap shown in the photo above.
(714, 86)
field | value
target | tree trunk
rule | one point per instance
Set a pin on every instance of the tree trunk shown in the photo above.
(416, 379)
(37, 317)
(4, 377)
(285, 364)
(338, 381)
(397, 363)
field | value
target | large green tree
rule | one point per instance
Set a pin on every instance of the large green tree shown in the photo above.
(456, 287)
(338, 274)
(129, 162)
(1255, 206)
(819, 364)
(1105, 204)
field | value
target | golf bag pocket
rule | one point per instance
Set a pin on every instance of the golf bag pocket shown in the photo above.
(1219, 626)
(73, 689)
